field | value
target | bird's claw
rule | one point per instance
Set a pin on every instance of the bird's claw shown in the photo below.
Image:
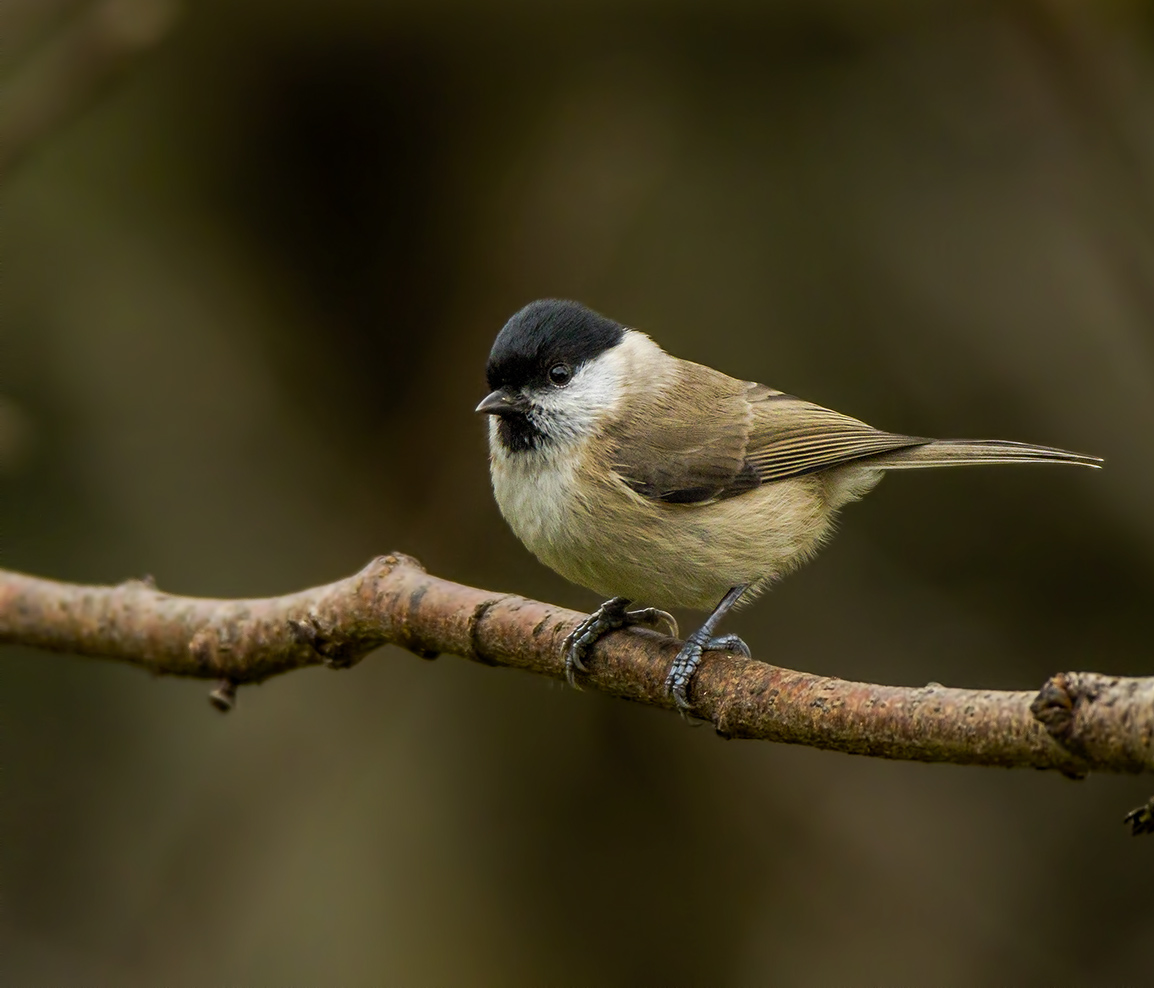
(613, 615)
(652, 617)
(729, 643)
(610, 616)
(689, 658)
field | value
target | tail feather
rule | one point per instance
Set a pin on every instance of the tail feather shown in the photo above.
(967, 452)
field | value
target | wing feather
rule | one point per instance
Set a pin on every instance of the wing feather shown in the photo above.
(708, 436)
(791, 437)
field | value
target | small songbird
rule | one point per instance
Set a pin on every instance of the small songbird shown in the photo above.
(649, 478)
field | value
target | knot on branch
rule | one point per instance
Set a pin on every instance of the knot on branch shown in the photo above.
(336, 651)
(381, 566)
(207, 646)
(1055, 707)
(1095, 717)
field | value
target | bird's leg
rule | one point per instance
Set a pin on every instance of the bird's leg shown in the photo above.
(697, 644)
(610, 616)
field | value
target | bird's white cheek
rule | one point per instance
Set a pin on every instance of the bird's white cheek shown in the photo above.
(576, 412)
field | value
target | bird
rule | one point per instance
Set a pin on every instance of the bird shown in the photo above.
(648, 478)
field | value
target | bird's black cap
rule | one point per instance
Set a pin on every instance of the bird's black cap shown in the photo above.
(547, 332)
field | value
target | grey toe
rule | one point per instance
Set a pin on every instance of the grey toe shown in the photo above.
(729, 643)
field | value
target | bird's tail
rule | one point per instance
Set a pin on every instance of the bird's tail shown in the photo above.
(966, 452)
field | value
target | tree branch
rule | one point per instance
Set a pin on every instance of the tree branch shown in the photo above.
(1077, 722)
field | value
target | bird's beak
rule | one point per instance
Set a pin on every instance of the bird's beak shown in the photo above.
(501, 403)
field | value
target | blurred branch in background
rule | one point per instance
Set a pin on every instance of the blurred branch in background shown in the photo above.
(1077, 723)
(69, 71)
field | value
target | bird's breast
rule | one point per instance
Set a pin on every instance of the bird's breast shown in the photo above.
(600, 534)
(535, 492)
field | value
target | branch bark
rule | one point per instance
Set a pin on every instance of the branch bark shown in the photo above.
(1077, 722)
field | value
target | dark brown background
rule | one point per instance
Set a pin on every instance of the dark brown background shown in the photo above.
(248, 297)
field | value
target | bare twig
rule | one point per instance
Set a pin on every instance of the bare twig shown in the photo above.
(1077, 723)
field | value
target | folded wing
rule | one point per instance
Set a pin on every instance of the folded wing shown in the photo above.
(709, 436)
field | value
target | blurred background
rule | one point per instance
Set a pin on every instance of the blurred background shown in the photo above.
(256, 254)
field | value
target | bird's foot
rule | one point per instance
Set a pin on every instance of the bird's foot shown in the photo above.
(689, 658)
(653, 617)
(610, 616)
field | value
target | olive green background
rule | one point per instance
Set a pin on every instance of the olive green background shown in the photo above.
(248, 296)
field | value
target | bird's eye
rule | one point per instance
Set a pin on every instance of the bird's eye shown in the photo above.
(560, 375)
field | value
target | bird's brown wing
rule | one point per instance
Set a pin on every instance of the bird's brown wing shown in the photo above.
(685, 443)
(708, 436)
(790, 437)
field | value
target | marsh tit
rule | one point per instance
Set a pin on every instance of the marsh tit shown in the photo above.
(649, 478)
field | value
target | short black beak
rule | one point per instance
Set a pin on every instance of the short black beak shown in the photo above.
(500, 403)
